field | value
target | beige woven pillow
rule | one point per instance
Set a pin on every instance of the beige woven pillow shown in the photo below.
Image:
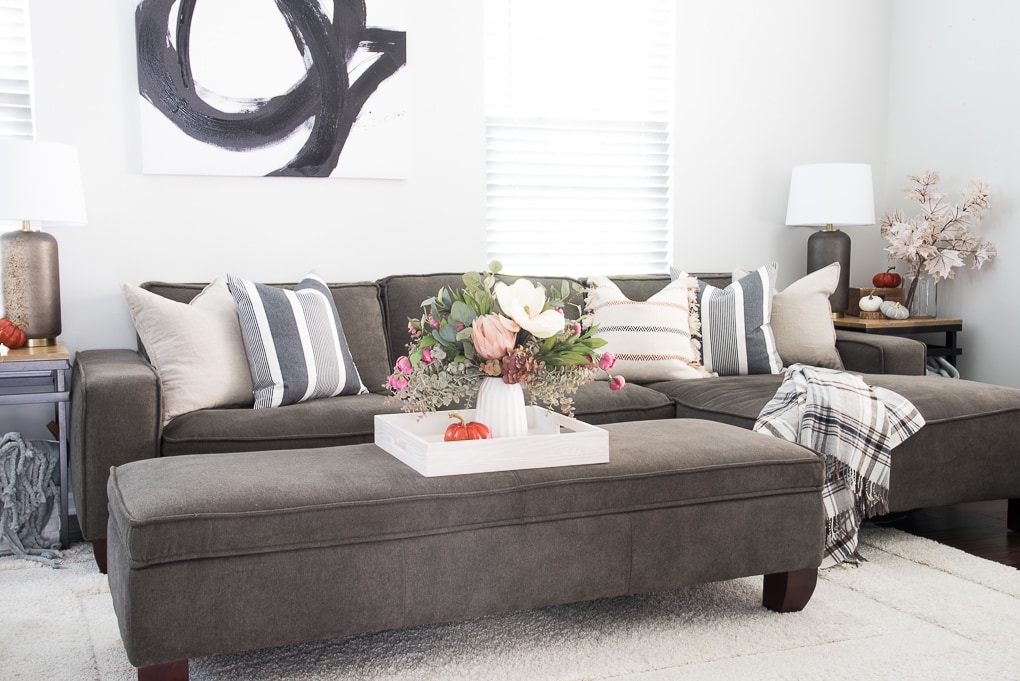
(653, 340)
(196, 348)
(802, 320)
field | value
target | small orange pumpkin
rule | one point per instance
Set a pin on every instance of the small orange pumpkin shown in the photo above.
(12, 334)
(466, 430)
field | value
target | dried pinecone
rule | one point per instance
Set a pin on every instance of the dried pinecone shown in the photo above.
(518, 365)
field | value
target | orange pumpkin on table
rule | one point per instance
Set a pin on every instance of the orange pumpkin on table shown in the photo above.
(466, 430)
(12, 334)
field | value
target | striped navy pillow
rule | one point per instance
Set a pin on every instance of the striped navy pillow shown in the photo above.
(294, 341)
(736, 330)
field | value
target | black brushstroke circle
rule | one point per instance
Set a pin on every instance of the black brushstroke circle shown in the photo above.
(323, 93)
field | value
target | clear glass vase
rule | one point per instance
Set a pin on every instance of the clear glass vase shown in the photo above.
(922, 298)
(501, 407)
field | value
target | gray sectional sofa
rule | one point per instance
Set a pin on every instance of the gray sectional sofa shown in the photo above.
(967, 452)
(333, 536)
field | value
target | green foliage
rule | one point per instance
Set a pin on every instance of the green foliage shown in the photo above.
(445, 368)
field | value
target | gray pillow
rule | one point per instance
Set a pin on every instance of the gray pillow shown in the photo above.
(736, 325)
(294, 342)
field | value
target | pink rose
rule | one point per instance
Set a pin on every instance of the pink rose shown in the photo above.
(493, 335)
(607, 361)
(577, 328)
(404, 366)
(398, 382)
(617, 382)
(426, 356)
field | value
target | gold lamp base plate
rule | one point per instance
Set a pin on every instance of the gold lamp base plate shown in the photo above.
(40, 342)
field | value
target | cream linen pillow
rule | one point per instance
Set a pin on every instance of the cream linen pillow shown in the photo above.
(196, 348)
(653, 340)
(802, 320)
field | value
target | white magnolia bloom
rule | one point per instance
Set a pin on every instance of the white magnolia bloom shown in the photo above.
(523, 302)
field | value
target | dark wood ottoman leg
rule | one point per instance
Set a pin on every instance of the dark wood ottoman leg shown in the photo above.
(1013, 515)
(789, 591)
(99, 551)
(168, 671)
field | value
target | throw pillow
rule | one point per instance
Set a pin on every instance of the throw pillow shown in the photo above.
(295, 342)
(736, 325)
(195, 348)
(653, 340)
(802, 320)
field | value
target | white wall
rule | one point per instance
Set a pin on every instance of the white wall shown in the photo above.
(761, 87)
(765, 86)
(954, 108)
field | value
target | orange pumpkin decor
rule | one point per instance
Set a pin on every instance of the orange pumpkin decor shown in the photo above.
(466, 430)
(887, 279)
(12, 334)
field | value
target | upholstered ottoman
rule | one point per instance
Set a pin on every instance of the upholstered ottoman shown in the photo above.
(216, 553)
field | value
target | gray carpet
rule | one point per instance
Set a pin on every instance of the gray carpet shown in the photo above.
(915, 610)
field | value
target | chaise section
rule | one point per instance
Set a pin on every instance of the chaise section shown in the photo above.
(226, 552)
(968, 450)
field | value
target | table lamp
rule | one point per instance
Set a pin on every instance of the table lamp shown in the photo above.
(831, 195)
(41, 182)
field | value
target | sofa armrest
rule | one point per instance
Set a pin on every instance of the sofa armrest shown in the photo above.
(875, 354)
(115, 418)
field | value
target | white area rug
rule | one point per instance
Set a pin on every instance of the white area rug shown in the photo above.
(915, 610)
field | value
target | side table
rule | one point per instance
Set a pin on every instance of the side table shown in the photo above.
(911, 327)
(37, 375)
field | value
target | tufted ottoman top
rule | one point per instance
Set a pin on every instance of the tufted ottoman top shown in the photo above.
(212, 505)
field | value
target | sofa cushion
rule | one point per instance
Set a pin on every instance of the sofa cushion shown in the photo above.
(193, 375)
(295, 342)
(214, 505)
(653, 339)
(328, 422)
(597, 405)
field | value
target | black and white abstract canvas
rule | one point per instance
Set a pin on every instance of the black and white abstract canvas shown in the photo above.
(299, 88)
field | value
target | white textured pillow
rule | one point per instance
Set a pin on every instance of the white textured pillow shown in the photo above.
(653, 340)
(802, 320)
(196, 348)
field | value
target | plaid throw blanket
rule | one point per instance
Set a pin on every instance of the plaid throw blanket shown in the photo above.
(854, 427)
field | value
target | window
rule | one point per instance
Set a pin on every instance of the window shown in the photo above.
(579, 116)
(15, 70)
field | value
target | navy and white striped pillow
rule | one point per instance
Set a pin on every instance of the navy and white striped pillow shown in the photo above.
(736, 331)
(294, 341)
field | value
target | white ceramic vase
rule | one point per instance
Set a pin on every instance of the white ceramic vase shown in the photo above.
(501, 407)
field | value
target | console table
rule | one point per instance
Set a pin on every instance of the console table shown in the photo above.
(36, 376)
(911, 327)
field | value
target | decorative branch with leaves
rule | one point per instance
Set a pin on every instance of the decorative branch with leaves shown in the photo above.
(939, 239)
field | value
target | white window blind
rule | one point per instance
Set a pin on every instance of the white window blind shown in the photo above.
(15, 70)
(579, 116)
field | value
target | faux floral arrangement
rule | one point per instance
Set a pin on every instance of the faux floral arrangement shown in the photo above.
(938, 240)
(491, 329)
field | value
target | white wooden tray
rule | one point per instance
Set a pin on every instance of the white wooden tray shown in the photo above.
(552, 440)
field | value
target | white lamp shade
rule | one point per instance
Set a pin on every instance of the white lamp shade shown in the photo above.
(837, 194)
(40, 181)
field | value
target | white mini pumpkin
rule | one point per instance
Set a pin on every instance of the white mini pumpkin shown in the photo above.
(894, 310)
(870, 303)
